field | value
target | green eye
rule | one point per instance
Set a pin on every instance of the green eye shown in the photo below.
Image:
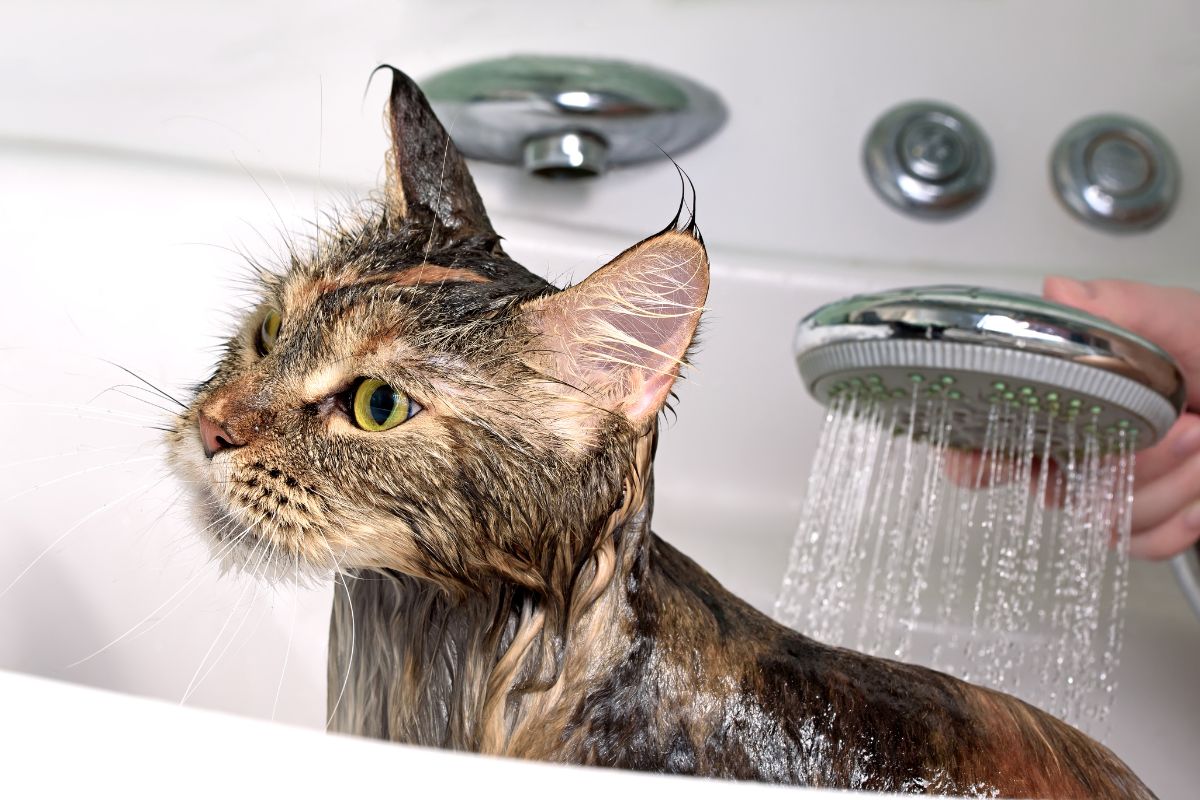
(377, 406)
(268, 332)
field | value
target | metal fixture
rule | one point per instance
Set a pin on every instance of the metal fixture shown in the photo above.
(928, 159)
(980, 346)
(1187, 572)
(571, 117)
(1115, 173)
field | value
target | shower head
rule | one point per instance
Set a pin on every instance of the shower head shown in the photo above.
(975, 349)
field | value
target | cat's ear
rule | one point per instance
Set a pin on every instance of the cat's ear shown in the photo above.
(622, 334)
(427, 178)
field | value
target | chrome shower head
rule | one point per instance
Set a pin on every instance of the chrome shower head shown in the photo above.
(979, 348)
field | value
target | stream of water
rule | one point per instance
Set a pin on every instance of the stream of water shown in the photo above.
(1007, 567)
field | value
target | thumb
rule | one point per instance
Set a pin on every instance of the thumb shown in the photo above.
(1169, 317)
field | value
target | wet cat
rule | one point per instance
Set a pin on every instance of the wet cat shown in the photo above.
(472, 450)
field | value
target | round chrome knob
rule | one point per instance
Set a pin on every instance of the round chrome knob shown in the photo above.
(1115, 173)
(932, 151)
(928, 159)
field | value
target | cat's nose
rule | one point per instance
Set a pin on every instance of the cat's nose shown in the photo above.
(216, 436)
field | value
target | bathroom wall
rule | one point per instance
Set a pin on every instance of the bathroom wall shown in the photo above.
(280, 86)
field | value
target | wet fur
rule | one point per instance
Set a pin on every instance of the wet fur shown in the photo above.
(499, 589)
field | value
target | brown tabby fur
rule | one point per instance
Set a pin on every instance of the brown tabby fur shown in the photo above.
(500, 590)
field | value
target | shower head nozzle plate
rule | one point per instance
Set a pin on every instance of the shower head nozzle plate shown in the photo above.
(978, 348)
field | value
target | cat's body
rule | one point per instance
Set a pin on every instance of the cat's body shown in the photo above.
(472, 451)
(672, 673)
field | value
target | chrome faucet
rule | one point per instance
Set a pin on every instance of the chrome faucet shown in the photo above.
(571, 117)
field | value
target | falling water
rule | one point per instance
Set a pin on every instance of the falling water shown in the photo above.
(1007, 568)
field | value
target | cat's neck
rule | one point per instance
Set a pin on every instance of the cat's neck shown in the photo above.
(503, 671)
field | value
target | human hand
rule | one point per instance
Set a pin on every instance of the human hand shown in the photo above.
(1166, 500)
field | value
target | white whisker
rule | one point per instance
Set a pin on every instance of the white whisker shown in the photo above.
(245, 618)
(103, 412)
(145, 488)
(286, 654)
(120, 390)
(194, 683)
(146, 425)
(192, 580)
(350, 660)
(77, 473)
(77, 452)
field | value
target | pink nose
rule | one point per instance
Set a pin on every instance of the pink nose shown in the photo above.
(215, 436)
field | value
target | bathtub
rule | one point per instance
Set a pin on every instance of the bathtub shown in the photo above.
(136, 168)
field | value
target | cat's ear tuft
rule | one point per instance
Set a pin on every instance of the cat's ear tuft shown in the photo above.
(427, 178)
(623, 333)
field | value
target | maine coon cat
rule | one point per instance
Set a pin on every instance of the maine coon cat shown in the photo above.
(472, 450)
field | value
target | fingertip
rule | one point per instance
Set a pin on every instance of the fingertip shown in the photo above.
(1170, 538)
(1184, 437)
(1069, 291)
(1181, 443)
(961, 467)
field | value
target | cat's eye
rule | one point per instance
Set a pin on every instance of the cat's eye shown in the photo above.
(268, 331)
(378, 406)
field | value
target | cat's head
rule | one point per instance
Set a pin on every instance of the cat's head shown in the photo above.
(409, 397)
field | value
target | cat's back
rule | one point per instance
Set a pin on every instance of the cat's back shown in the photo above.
(788, 709)
(882, 725)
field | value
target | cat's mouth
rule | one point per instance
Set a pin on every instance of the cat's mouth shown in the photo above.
(256, 515)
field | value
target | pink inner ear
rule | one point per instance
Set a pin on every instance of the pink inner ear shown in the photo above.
(622, 334)
(640, 314)
(646, 400)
